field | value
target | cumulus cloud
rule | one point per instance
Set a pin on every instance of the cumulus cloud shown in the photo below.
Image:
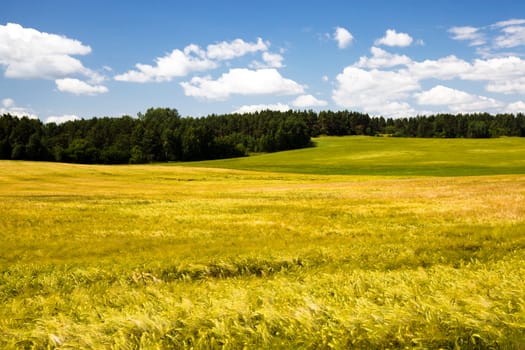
(236, 48)
(9, 106)
(62, 119)
(262, 107)
(507, 87)
(374, 91)
(304, 101)
(343, 37)
(270, 60)
(495, 69)
(395, 109)
(515, 107)
(368, 86)
(241, 81)
(30, 54)
(359, 87)
(382, 59)
(446, 68)
(456, 100)
(180, 63)
(442, 95)
(389, 84)
(79, 87)
(471, 34)
(176, 64)
(393, 38)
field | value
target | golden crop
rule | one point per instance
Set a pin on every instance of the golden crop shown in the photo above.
(156, 256)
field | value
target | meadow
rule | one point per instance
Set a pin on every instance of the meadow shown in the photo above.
(359, 242)
(380, 156)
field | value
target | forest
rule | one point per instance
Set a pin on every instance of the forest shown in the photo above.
(162, 135)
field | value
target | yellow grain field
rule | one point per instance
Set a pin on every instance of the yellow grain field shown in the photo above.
(167, 257)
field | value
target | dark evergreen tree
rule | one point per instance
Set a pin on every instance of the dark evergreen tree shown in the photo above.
(161, 134)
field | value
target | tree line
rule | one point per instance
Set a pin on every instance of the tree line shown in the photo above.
(161, 134)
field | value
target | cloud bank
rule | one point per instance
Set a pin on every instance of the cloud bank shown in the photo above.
(8, 106)
(385, 81)
(27, 53)
(241, 81)
(262, 107)
(392, 84)
(180, 63)
(62, 119)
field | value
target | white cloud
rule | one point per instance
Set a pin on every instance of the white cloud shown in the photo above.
(504, 75)
(325, 78)
(442, 95)
(515, 107)
(176, 64)
(468, 33)
(368, 86)
(393, 38)
(343, 37)
(513, 33)
(365, 87)
(512, 36)
(9, 107)
(270, 60)
(372, 90)
(449, 67)
(492, 38)
(78, 87)
(394, 109)
(456, 100)
(508, 87)
(381, 58)
(273, 60)
(194, 49)
(479, 104)
(29, 54)
(236, 48)
(308, 101)
(510, 22)
(495, 69)
(387, 84)
(95, 78)
(262, 107)
(62, 119)
(8, 102)
(180, 63)
(241, 81)
(359, 85)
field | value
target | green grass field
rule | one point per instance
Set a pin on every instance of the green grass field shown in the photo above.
(357, 243)
(361, 155)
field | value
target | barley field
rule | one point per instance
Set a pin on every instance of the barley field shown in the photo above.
(365, 243)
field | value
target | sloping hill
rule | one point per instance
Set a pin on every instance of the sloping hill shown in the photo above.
(361, 155)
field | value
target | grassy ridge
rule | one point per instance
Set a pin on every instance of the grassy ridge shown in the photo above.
(126, 257)
(361, 155)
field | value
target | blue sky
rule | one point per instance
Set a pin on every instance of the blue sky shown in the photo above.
(63, 60)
